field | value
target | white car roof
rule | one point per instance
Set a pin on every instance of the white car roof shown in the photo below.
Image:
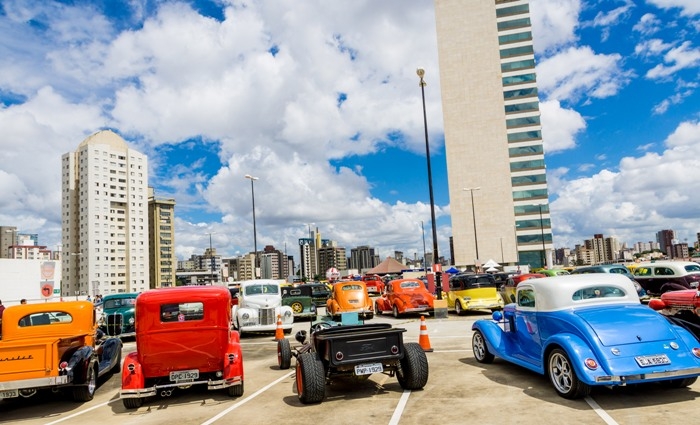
(260, 282)
(557, 292)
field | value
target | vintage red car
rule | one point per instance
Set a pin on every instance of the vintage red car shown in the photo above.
(404, 296)
(183, 338)
(350, 297)
(374, 284)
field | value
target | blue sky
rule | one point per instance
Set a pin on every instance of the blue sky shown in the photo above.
(320, 101)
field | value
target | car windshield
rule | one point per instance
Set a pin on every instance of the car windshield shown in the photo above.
(262, 289)
(119, 302)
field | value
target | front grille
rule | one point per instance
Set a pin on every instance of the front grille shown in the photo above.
(115, 323)
(267, 316)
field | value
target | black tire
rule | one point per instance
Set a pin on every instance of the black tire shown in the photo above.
(377, 311)
(132, 403)
(86, 391)
(235, 391)
(563, 376)
(679, 383)
(118, 366)
(480, 349)
(458, 308)
(311, 382)
(413, 374)
(395, 311)
(287, 331)
(284, 354)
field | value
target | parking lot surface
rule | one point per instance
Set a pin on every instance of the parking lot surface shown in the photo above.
(459, 391)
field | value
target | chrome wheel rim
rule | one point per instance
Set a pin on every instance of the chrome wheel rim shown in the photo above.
(560, 372)
(478, 346)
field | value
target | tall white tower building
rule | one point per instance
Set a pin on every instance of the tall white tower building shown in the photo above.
(105, 218)
(493, 139)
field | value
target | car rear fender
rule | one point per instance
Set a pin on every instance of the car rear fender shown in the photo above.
(383, 304)
(578, 351)
(79, 363)
(233, 361)
(132, 373)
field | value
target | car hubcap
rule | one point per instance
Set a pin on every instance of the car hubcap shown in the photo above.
(561, 373)
(478, 348)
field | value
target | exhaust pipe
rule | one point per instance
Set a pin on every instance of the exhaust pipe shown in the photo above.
(165, 393)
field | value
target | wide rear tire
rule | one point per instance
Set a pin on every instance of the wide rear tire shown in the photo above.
(284, 354)
(563, 376)
(414, 367)
(311, 381)
(480, 349)
(132, 403)
(235, 391)
(86, 392)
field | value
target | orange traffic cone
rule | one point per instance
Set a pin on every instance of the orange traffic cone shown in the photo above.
(423, 338)
(279, 332)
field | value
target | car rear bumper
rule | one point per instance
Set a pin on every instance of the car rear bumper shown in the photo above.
(646, 377)
(152, 391)
(34, 383)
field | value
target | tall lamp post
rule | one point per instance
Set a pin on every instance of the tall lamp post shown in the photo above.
(436, 257)
(211, 257)
(423, 230)
(255, 232)
(544, 260)
(476, 240)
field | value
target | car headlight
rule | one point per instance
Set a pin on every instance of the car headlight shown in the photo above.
(287, 314)
(131, 320)
(245, 316)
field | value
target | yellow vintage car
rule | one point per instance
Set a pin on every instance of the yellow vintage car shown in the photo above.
(473, 291)
(350, 297)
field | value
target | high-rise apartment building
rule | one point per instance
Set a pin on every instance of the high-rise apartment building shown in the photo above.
(104, 217)
(493, 138)
(363, 258)
(161, 233)
(666, 239)
(8, 237)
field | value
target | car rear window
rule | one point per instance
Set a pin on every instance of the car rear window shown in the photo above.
(45, 318)
(692, 268)
(598, 292)
(410, 284)
(351, 287)
(181, 312)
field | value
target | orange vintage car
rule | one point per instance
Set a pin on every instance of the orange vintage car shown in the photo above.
(350, 297)
(404, 296)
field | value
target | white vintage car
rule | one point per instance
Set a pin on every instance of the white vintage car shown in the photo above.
(259, 305)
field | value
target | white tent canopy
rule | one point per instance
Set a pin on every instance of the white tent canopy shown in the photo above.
(491, 264)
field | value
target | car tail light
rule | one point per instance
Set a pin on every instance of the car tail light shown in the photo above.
(696, 352)
(63, 365)
(231, 358)
(131, 367)
(591, 364)
(339, 356)
(394, 349)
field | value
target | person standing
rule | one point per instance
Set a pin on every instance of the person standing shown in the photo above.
(23, 301)
(2, 309)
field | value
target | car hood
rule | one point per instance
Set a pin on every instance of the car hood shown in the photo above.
(627, 325)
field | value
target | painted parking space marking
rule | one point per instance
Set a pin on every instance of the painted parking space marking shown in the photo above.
(400, 408)
(600, 412)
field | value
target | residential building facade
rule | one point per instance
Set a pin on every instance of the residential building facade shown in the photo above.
(104, 217)
(493, 135)
(161, 233)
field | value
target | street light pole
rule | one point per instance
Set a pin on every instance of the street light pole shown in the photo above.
(544, 261)
(436, 257)
(476, 240)
(255, 232)
(425, 269)
(211, 257)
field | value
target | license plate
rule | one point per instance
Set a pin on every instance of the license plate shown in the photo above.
(184, 375)
(659, 359)
(366, 369)
(9, 393)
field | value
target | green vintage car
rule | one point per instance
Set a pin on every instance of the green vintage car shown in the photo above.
(117, 317)
(300, 299)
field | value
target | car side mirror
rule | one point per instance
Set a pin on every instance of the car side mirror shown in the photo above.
(300, 336)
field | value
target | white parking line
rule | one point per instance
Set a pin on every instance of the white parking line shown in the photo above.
(600, 412)
(247, 399)
(400, 408)
(81, 412)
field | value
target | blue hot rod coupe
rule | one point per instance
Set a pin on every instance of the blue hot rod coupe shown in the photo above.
(586, 330)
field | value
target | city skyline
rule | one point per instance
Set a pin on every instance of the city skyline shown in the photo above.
(321, 102)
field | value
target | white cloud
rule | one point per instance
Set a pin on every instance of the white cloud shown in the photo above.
(559, 126)
(596, 75)
(688, 7)
(648, 24)
(554, 23)
(681, 57)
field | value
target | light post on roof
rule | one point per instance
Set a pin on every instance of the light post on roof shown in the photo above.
(255, 232)
(436, 256)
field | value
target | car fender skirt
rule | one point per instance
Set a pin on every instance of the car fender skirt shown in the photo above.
(132, 374)
(233, 362)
